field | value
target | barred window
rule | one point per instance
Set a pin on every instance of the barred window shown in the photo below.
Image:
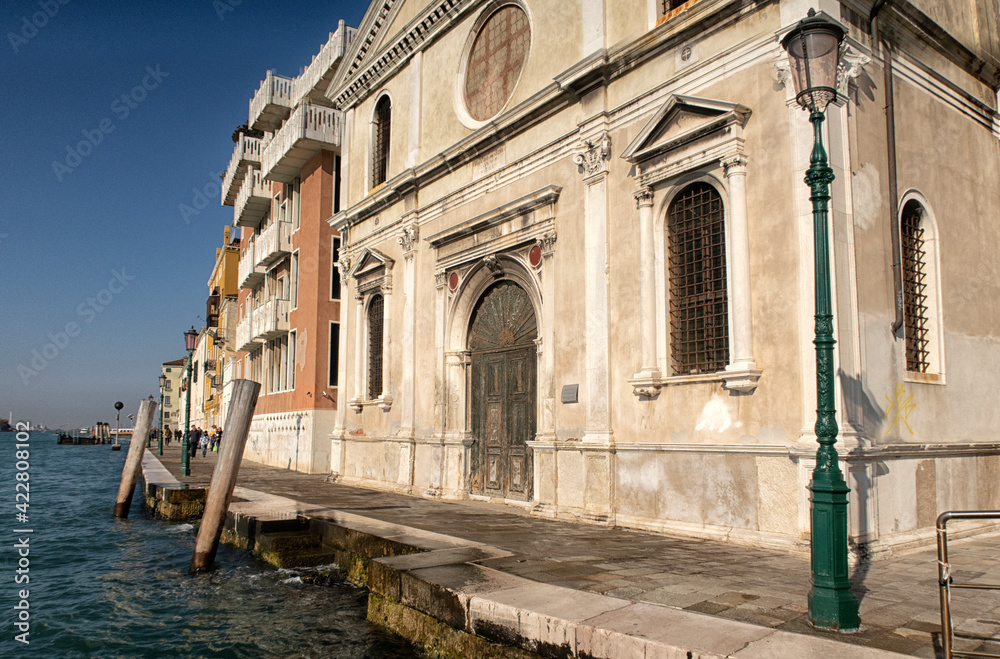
(916, 322)
(376, 314)
(699, 305)
(496, 61)
(380, 142)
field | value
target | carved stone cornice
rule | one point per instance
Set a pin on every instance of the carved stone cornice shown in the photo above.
(592, 158)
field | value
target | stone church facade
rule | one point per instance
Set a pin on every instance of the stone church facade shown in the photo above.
(576, 262)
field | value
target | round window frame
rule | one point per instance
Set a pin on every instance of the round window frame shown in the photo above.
(484, 16)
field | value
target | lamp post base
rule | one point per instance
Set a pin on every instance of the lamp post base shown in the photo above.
(832, 605)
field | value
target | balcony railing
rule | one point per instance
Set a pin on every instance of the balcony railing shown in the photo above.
(249, 272)
(270, 319)
(272, 102)
(318, 75)
(253, 199)
(273, 243)
(247, 152)
(245, 340)
(308, 130)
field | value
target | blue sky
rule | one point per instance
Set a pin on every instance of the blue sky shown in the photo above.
(100, 272)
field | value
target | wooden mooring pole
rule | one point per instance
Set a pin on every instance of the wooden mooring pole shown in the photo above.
(220, 492)
(133, 461)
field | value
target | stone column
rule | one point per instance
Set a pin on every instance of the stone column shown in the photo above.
(408, 241)
(441, 375)
(592, 161)
(647, 288)
(546, 347)
(739, 262)
(359, 353)
(340, 426)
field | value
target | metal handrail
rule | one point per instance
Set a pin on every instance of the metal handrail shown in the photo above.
(946, 582)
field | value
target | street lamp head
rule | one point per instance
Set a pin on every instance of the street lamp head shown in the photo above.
(163, 381)
(119, 405)
(813, 48)
(190, 339)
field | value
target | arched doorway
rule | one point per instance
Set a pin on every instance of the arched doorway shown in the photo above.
(502, 342)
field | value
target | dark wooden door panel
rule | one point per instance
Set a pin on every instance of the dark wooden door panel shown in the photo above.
(503, 398)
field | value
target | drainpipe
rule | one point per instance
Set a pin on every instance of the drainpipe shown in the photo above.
(890, 130)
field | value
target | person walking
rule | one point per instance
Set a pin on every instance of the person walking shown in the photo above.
(203, 442)
(194, 438)
(167, 435)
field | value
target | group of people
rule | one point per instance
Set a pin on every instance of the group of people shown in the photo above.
(207, 440)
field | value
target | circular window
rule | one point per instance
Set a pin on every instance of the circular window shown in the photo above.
(496, 61)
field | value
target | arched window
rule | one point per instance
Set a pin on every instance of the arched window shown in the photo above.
(699, 306)
(382, 124)
(917, 288)
(376, 316)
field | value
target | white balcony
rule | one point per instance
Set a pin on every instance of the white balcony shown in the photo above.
(250, 274)
(247, 152)
(317, 76)
(253, 199)
(272, 102)
(309, 129)
(270, 319)
(273, 243)
(245, 340)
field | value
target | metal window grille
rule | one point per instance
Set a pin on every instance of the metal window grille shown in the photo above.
(915, 320)
(699, 306)
(380, 152)
(495, 63)
(376, 314)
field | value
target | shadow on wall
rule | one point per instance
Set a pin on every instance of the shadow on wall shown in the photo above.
(860, 409)
(867, 418)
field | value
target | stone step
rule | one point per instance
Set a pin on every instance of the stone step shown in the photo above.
(296, 557)
(283, 541)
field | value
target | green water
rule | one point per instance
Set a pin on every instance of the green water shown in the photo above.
(102, 587)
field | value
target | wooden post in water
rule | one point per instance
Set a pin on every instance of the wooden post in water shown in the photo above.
(220, 492)
(133, 461)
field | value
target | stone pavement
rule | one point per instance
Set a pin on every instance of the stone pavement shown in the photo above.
(898, 595)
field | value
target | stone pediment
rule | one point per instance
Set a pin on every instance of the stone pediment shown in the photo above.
(682, 120)
(372, 272)
(371, 261)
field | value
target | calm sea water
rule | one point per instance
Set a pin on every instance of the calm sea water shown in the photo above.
(102, 587)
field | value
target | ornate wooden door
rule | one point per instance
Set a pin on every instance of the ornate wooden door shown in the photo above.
(502, 341)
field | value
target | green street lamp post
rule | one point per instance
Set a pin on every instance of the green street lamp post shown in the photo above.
(163, 384)
(813, 48)
(190, 338)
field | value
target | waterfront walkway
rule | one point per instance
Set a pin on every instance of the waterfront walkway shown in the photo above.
(721, 582)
